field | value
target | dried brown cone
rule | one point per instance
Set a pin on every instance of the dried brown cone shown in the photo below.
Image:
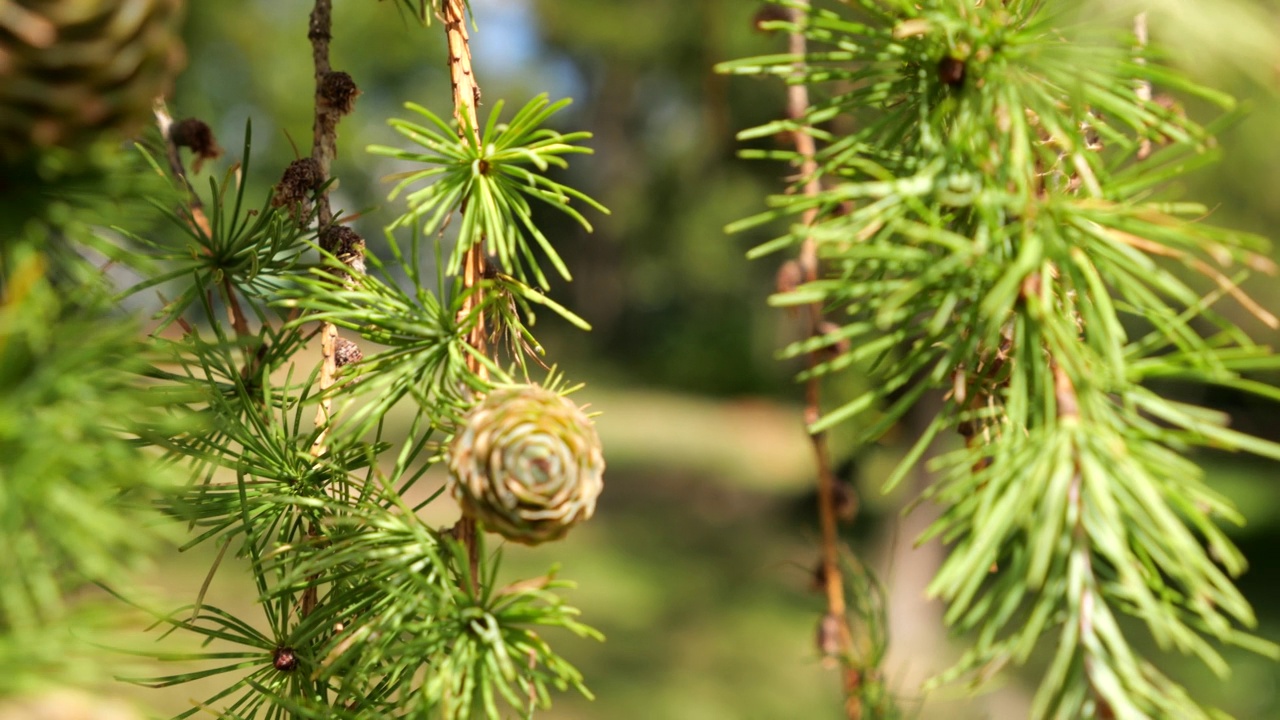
(71, 70)
(527, 464)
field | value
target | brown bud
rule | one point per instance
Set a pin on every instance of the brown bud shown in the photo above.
(818, 577)
(1092, 139)
(951, 71)
(339, 91)
(844, 502)
(299, 181)
(346, 245)
(195, 135)
(1173, 110)
(789, 276)
(830, 630)
(767, 14)
(284, 659)
(1030, 286)
(342, 241)
(346, 352)
(837, 348)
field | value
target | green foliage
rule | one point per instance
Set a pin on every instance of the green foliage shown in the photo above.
(991, 227)
(374, 613)
(393, 633)
(423, 341)
(492, 175)
(76, 484)
(249, 250)
(364, 610)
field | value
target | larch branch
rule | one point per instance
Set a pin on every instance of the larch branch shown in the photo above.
(466, 95)
(832, 574)
(324, 147)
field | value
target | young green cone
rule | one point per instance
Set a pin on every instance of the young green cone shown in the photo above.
(527, 463)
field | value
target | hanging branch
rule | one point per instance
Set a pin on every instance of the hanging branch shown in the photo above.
(995, 255)
(466, 95)
(335, 97)
(369, 612)
(835, 636)
(323, 149)
(166, 125)
(324, 144)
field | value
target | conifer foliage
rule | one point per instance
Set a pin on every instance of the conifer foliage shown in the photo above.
(218, 417)
(980, 219)
(985, 204)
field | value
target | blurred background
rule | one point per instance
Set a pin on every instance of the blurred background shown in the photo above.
(698, 565)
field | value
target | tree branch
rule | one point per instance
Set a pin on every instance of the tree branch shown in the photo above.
(835, 631)
(334, 97)
(466, 95)
(324, 143)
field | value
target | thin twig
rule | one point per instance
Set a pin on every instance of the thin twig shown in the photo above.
(324, 147)
(1144, 86)
(1082, 554)
(239, 322)
(334, 97)
(195, 206)
(165, 122)
(324, 143)
(466, 95)
(832, 575)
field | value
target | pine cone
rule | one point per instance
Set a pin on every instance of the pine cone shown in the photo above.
(72, 69)
(527, 463)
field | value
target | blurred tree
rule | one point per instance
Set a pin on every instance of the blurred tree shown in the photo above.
(665, 119)
(980, 213)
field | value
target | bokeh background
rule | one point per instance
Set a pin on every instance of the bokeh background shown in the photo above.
(697, 566)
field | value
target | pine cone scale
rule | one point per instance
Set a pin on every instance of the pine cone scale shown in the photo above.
(73, 69)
